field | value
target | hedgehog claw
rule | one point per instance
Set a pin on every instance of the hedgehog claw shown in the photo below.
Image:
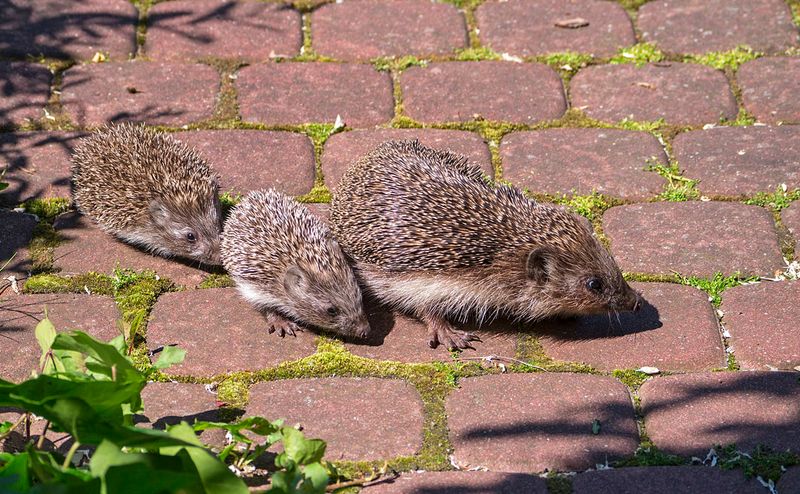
(281, 325)
(442, 332)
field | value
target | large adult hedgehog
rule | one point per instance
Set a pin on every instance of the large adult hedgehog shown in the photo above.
(431, 237)
(148, 189)
(288, 265)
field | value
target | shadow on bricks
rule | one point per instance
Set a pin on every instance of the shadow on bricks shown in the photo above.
(591, 327)
(36, 165)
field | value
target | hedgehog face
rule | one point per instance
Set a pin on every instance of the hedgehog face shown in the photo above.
(327, 300)
(584, 281)
(190, 231)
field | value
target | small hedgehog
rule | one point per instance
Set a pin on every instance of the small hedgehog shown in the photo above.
(148, 189)
(288, 265)
(430, 236)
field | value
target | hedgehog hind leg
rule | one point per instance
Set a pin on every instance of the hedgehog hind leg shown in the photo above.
(279, 324)
(442, 332)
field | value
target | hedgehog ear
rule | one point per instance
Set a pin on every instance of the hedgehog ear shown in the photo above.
(295, 281)
(537, 265)
(158, 211)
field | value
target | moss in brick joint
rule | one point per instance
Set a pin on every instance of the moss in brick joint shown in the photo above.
(678, 188)
(216, 281)
(639, 54)
(98, 284)
(631, 378)
(725, 60)
(531, 351)
(44, 239)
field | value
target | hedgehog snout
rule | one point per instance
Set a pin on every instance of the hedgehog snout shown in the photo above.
(361, 327)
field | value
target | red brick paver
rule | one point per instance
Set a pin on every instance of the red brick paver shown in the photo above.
(531, 27)
(359, 418)
(460, 483)
(676, 92)
(343, 149)
(87, 248)
(770, 87)
(37, 164)
(464, 91)
(24, 89)
(491, 416)
(155, 93)
(402, 339)
(220, 333)
(676, 330)
(364, 30)
(297, 93)
(68, 29)
(693, 238)
(688, 414)
(664, 480)
(192, 29)
(699, 26)
(252, 159)
(790, 217)
(738, 161)
(16, 231)
(566, 161)
(19, 316)
(790, 481)
(763, 321)
(170, 403)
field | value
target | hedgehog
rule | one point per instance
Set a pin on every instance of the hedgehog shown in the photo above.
(148, 189)
(287, 264)
(429, 235)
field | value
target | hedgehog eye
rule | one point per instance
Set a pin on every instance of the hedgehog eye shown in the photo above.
(190, 237)
(333, 311)
(594, 284)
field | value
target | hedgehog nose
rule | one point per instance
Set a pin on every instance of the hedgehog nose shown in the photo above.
(362, 328)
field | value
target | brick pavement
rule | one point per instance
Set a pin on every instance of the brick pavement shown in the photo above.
(249, 83)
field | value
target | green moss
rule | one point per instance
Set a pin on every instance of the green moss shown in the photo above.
(46, 209)
(722, 60)
(640, 54)
(567, 63)
(226, 110)
(632, 5)
(717, 284)
(650, 456)
(761, 462)
(228, 201)
(217, 281)
(465, 4)
(775, 201)
(475, 54)
(630, 377)
(732, 364)
(678, 188)
(590, 206)
(743, 118)
(558, 484)
(320, 193)
(530, 350)
(136, 291)
(652, 278)
(399, 64)
(233, 393)
(94, 283)
(794, 5)
(42, 246)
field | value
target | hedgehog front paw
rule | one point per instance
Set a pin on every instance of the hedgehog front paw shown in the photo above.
(281, 325)
(441, 332)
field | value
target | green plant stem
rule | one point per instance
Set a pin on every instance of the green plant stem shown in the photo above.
(13, 427)
(70, 454)
(40, 442)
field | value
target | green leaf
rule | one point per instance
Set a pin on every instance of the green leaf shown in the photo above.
(169, 356)
(3, 185)
(301, 450)
(143, 473)
(5, 427)
(214, 475)
(257, 425)
(45, 334)
(14, 473)
(316, 479)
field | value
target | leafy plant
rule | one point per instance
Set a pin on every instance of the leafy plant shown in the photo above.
(91, 391)
(3, 185)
